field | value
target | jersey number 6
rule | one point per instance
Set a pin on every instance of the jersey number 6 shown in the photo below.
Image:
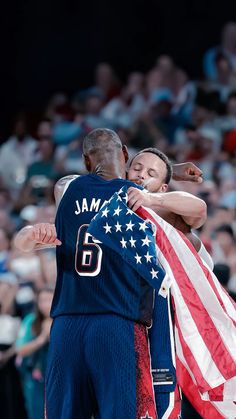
(88, 256)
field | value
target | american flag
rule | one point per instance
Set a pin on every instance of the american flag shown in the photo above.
(123, 231)
(205, 316)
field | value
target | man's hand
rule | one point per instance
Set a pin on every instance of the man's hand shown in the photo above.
(36, 237)
(44, 233)
(138, 198)
(187, 172)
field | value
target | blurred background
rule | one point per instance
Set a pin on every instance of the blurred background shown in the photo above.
(162, 76)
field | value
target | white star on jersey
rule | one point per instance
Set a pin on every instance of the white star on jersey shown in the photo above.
(107, 228)
(146, 416)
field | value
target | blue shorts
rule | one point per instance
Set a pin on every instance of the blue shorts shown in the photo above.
(98, 365)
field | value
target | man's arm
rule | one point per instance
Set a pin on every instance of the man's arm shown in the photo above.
(43, 235)
(193, 210)
(61, 187)
(37, 237)
(188, 172)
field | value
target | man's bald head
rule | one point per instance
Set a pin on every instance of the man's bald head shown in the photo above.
(101, 140)
(104, 153)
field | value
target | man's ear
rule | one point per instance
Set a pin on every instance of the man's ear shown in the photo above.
(87, 162)
(125, 152)
(163, 187)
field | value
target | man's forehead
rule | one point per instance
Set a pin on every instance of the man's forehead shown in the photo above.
(148, 159)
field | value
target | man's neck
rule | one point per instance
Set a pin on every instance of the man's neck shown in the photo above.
(109, 172)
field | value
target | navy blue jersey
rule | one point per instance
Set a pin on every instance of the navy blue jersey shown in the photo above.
(91, 278)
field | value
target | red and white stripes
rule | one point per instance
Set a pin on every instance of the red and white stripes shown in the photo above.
(205, 317)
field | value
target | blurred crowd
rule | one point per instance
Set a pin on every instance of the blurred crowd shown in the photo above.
(190, 120)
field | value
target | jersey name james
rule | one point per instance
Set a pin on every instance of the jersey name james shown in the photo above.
(85, 205)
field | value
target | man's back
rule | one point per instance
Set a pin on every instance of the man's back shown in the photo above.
(91, 278)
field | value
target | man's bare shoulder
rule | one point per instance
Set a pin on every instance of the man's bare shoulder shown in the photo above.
(61, 186)
(65, 179)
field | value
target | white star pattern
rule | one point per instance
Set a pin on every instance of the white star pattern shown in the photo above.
(146, 416)
(143, 226)
(148, 257)
(154, 273)
(132, 242)
(138, 258)
(118, 226)
(129, 211)
(120, 191)
(107, 228)
(119, 198)
(129, 226)
(123, 243)
(105, 212)
(125, 198)
(117, 211)
(146, 241)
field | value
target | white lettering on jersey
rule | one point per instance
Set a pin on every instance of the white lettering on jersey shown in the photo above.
(84, 206)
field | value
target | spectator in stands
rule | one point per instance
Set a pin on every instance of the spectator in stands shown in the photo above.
(227, 47)
(11, 396)
(15, 156)
(31, 350)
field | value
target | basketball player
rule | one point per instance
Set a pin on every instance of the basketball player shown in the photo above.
(99, 359)
(151, 169)
(98, 363)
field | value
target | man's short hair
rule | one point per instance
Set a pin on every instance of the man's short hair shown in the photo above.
(161, 156)
(97, 139)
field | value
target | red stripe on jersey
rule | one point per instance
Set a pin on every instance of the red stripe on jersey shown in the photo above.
(144, 387)
(176, 412)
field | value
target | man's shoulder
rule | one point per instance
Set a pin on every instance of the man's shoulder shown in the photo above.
(63, 181)
(62, 185)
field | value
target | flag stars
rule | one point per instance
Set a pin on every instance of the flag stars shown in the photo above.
(129, 226)
(132, 242)
(148, 257)
(129, 211)
(123, 243)
(105, 212)
(125, 198)
(146, 241)
(118, 227)
(154, 273)
(138, 258)
(107, 228)
(117, 211)
(143, 226)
